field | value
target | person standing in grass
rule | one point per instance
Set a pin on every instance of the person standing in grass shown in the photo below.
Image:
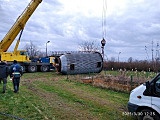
(15, 74)
(4, 71)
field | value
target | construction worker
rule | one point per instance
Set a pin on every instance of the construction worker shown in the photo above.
(15, 74)
(4, 71)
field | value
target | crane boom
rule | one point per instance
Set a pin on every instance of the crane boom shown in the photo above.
(21, 55)
(18, 25)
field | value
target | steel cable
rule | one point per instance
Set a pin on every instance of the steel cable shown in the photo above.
(11, 116)
(104, 10)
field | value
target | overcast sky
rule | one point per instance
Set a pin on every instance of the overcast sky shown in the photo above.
(130, 25)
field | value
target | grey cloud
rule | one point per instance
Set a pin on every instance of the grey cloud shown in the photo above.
(128, 32)
(138, 25)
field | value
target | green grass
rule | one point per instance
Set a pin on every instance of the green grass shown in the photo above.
(49, 96)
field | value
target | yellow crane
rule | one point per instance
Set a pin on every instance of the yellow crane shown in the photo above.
(21, 55)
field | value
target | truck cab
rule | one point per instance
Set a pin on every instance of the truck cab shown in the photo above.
(144, 101)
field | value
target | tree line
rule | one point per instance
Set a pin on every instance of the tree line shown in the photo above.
(132, 65)
(141, 65)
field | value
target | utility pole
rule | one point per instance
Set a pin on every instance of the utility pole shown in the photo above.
(46, 47)
(152, 52)
(157, 52)
(157, 56)
(152, 57)
(146, 53)
(118, 56)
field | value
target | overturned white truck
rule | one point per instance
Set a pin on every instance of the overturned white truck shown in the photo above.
(79, 63)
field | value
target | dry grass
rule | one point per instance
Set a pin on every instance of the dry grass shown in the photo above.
(119, 82)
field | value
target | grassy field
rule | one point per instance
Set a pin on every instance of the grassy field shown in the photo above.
(50, 96)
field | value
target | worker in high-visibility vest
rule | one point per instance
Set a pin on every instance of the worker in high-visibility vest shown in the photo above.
(15, 74)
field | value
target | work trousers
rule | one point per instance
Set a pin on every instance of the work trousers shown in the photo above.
(4, 83)
(16, 82)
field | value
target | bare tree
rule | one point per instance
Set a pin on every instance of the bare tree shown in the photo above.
(130, 59)
(88, 46)
(32, 50)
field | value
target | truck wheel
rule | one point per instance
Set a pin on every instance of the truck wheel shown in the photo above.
(147, 114)
(23, 68)
(44, 68)
(32, 68)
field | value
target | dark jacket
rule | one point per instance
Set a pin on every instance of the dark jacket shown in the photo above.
(4, 70)
(15, 68)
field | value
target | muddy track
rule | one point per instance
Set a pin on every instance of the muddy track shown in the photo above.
(56, 103)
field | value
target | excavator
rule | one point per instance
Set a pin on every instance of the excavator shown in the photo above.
(21, 55)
